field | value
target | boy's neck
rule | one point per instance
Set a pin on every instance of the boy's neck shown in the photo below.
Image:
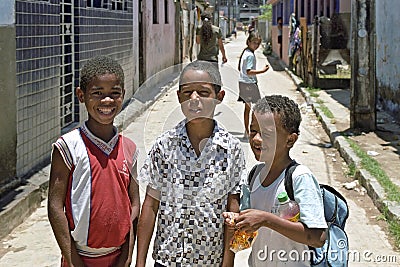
(103, 131)
(199, 132)
(275, 171)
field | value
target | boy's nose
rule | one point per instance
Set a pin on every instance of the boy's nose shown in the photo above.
(257, 137)
(194, 95)
(107, 98)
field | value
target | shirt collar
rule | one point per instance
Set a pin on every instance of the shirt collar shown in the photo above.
(106, 147)
(219, 136)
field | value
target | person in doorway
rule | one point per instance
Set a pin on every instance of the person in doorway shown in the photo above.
(279, 33)
(274, 130)
(234, 32)
(248, 88)
(209, 37)
(193, 173)
(93, 199)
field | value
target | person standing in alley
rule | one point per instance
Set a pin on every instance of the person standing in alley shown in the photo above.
(209, 37)
(93, 199)
(279, 27)
(248, 88)
(193, 174)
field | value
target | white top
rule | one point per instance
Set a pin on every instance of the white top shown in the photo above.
(247, 62)
(194, 192)
(271, 248)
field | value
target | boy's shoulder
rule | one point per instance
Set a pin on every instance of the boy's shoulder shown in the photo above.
(224, 137)
(71, 135)
(301, 169)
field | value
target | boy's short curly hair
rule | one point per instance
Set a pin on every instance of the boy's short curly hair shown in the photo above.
(206, 66)
(286, 108)
(98, 66)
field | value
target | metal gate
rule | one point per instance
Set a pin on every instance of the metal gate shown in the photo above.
(67, 64)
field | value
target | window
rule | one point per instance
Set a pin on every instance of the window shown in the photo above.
(166, 15)
(94, 3)
(97, 3)
(155, 11)
(117, 4)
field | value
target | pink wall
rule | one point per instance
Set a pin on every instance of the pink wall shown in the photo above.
(159, 38)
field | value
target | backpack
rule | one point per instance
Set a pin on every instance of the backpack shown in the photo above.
(335, 250)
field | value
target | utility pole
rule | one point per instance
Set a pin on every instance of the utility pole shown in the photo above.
(363, 82)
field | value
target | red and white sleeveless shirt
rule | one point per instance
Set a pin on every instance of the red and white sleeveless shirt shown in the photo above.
(97, 205)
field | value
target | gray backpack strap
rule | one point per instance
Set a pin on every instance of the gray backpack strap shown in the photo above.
(252, 175)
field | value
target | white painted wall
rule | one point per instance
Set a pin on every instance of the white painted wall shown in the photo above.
(388, 54)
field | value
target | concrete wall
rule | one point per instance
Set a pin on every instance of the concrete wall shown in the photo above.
(38, 83)
(387, 55)
(8, 98)
(160, 38)
(135, 48)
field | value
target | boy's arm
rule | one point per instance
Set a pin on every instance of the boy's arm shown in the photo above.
(250, 220)
(198, 39)
(146, 224)
(125, 258)
(58, 185)
(229, 256)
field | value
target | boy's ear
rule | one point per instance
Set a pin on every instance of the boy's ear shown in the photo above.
(80, 94)
(221, 95)
(292, 138)
(179, 95)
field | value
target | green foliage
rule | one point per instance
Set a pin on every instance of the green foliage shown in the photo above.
(266, 12)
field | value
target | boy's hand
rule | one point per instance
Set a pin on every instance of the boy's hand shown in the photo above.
(230, 218)
(266, 68)
(251, 220)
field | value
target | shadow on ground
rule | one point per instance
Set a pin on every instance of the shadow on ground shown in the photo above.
(275, 62)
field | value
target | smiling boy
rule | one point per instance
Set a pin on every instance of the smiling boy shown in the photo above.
(93, 199)
(193, 173)
(274, 130)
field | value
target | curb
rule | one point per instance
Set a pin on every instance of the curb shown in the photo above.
(21, 202)
(374, 189)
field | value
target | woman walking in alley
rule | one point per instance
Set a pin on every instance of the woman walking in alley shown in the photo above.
(209, 37)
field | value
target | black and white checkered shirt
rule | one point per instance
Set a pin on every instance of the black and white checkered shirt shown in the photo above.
(194, 192)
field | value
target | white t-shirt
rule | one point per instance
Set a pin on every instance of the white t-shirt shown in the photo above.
(270, 248)
(247, 62)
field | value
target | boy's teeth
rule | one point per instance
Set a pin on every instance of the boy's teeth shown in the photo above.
(105, 110)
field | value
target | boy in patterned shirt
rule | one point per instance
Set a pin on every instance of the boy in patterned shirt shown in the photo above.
(193, 173)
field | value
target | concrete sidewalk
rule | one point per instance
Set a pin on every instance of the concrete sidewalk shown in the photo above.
(383, 145)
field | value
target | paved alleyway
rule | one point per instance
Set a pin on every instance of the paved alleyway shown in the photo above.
(33, 244)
